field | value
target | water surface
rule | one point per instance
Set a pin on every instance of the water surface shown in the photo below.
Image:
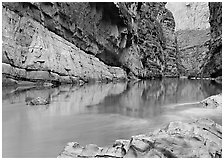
(97, 113)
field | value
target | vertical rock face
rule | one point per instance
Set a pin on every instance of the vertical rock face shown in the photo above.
(213, 65)
(190, 15)
(168, 25)
(33, 53)
(198, 32)
(193, 35)
(156, 39)
(138, 37)
(153, 26)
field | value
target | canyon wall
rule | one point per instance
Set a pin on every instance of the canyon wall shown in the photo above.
(157, 39)
(190, 15)
(198, 34)
(33, 53)
(193, 35)
(213, 64)
(81, 42)
(72, 42)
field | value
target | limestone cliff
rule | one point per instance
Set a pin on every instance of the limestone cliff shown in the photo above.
(32, 53)
(199, 42)
(193, 35)
(190, 15)
(68, 42)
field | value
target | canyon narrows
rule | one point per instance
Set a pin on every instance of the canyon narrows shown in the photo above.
(116, 58)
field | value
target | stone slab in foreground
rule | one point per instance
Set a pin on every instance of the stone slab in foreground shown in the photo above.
(199, 138)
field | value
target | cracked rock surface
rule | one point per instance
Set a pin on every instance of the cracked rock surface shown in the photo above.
(118, 40)
(200, 138)
(212, 102)
(196, 139)
(33, 53)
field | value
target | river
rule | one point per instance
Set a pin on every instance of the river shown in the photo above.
(97, 113)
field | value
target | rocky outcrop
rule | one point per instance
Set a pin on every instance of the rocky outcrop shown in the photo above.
(33, 53)
(137, 37)
(196, 138)
(213, 65)
(193, 35)
(37, 101)
(213, 101)
(199, 138)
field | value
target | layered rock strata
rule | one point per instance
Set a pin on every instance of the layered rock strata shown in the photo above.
(137, 37)
(31, 52)
(193, 48)
(196, 139)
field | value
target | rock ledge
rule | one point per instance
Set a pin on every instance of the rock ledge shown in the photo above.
(199, 138)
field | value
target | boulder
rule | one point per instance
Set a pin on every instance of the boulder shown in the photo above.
(36, 101)
(212, 102)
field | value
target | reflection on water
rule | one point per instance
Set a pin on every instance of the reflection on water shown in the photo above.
(98, 113)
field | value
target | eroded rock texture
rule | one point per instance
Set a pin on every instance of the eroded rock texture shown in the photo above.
(213, 64)
(213, 101)
(33, 53)
(88, 40)
(157, 39)
(196, 139)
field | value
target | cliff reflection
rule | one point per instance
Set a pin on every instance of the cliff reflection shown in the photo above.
(150, 98)
(98, 113)
(140, 99)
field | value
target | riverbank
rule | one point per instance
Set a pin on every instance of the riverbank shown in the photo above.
(197, 138)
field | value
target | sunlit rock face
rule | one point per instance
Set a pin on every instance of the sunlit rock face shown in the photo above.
(33, 53)
(193, 35)
(190, 15)
(137, 37)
